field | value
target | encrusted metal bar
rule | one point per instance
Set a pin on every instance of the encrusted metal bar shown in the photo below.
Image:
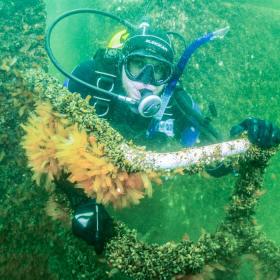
(185, 158)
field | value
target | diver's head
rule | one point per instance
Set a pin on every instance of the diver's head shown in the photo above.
(147, 61)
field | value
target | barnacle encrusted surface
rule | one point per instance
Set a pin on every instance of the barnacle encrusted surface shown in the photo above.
(33, 244)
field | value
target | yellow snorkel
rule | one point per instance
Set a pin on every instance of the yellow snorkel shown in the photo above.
(117, 40)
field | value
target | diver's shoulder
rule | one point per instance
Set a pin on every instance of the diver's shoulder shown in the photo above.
(181, 95)
(85, 65)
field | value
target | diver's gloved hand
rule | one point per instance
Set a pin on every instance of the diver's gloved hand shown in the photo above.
(261, 133)
(92, 223)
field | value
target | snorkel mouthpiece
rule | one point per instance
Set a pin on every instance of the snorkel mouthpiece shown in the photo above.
(149, 103)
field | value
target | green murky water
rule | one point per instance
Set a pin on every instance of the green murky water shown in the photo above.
(240, 74)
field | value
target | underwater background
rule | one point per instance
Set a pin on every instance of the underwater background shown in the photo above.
(239, 74)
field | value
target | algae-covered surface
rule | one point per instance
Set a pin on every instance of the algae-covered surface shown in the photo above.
(239, 74)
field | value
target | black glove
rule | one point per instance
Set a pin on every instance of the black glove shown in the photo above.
(261, 133)
(92, 223)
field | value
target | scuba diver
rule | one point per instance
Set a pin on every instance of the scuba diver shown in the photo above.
(139, 70)
(136, 83)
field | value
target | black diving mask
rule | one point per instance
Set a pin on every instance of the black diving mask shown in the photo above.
(148, 69)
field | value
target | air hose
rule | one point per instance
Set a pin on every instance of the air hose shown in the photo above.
(69, 75)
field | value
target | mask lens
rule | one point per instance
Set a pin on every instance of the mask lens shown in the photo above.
(162, 71)
(135, 64)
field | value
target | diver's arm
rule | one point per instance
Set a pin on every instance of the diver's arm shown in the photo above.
(191, 113)
(187, 128)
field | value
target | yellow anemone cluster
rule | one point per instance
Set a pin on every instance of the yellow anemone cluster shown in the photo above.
(40, 143)
(52, 144)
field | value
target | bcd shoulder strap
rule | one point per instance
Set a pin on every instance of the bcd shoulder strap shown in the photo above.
(107, 66)
(106, 62)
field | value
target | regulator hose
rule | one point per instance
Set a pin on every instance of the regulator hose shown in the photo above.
(56, 63)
